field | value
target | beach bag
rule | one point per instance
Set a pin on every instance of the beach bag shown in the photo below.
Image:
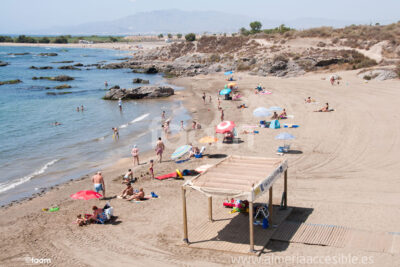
(109, 212)
(275, 124)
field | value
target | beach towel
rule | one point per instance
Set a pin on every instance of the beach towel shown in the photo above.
(167, 176)
(265, 93)
(290, 126)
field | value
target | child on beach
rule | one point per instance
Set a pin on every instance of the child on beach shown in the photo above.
(151, 170)
(135, 155)
(80, 221)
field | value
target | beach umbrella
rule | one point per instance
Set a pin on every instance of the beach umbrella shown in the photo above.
(225, 127)
(86, 195)
(261, 112)
(225, 91)
(275, 109)
(284, 136)
(228, 72)
(232, 84)
(208, 140)
(180, 152)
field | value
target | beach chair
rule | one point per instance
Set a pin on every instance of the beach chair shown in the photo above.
(200, 154)
(284, 149)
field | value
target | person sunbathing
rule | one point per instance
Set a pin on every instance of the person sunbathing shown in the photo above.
(275, 116)
(324, 109)
(308, 99)
(283, 115)
(138, 196)
(128, 191)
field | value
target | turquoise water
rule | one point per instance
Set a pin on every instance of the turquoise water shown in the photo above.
(35, 154)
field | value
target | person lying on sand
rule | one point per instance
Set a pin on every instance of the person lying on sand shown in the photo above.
(138, 196)
(309, 100)
(324, 109)
(128, 191)
(275, 116)
(80, 221)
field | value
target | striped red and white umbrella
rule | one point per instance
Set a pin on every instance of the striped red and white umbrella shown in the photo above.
(225, 127)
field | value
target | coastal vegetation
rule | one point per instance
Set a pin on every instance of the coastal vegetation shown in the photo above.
(11, 82)
(190, 37)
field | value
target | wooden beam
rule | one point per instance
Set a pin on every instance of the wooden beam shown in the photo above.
(185, 228)
(251, 226)
(210, 209)
(270, 207)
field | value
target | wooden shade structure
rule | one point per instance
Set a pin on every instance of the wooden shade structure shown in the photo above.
(238, 177)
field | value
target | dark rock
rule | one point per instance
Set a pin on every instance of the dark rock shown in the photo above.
(63, 86)
(115, 87)
(60, 93)
(139, 93)
(19, 54)
(3, 64)
(69, 67)
(65, 61)
(61, 78)
(78, 65)
(323, 63)
(41, 68)
(11, 82)
(138, 80)
(151, 70)
(48, 54)
(277, 66)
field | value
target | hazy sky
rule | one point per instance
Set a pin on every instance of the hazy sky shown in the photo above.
(25, 15)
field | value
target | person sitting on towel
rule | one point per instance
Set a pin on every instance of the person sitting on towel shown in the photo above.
(138, 196)
(128, 191)
(283, 115)
(275, 116)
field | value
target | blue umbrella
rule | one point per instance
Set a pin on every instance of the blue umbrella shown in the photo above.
(228, 72)
(180, 152)
(261, 112)
(284, 136)
(226, 91)
(275, 109)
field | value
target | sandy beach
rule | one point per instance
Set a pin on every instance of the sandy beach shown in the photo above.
(344, 173)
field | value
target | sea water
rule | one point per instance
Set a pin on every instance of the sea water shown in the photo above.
(35, 154)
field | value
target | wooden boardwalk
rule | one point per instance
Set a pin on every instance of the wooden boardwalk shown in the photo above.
(230, 232)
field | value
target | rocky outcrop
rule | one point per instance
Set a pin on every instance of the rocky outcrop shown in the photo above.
(61, 78)
(138, 80)
(139, 93)
(68, 67)
(48, 54)
(18, 54)
(41, 68)
(10, 82)
(63, 86)
(378, 74)
(3, 64)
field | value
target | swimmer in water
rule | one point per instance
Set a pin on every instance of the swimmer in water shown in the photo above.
(115, 133)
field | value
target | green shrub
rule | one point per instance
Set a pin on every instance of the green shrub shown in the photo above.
(113, 39)
(244, 31)
(61, 40)
(169, 35)
(44, 40)
(255, 27)
(6, 39)
(25, 39)
(190, 37)
(179, 35)
(160, 35)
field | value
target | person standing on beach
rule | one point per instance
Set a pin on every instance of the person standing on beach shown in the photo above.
(182, 128)
(163, 116)
(115, 133)
(204, 97)
(135, 155)
(222, 114)
(120, 104)
(194, 125)
(98, 183)
(159, 149)
(209, 98)
(151, 168)
(219, 104)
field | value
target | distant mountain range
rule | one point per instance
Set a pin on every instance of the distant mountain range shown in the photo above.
(177, 21)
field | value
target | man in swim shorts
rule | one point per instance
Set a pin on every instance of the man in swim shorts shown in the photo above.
(159, 149)
(98, 183)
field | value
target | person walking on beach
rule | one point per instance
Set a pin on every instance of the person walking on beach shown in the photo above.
(219, 104)
(204, 97)
(135, 155)
(182, 128)
(98, 183)
(222, 114)
(159, 149)
(115, 133)
(120, 104)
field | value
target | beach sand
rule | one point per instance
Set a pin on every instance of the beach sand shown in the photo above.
(345, 172)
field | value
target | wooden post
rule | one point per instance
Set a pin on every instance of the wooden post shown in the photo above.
(270, 207)
(185, 228)
(251, 226)
(285, 188)
(210, 209)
